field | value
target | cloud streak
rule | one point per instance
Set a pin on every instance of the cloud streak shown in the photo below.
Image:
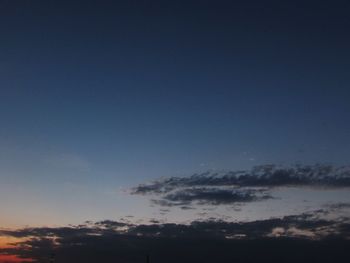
(260, 176)
(241, 186)
(211, 196)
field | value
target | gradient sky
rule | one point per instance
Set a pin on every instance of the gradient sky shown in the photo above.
(99, 96)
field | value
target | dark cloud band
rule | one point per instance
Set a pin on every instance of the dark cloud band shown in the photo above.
(211, 196)
(108, 241)
(261, 176)
(211, 188)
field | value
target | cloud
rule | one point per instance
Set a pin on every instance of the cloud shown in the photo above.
(260, 176)
(339, 206)
(311, 221)
(210, 196)
(213, 188)
(111, 224)
(198, 241)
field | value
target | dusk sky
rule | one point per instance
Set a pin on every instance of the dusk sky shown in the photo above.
(157, 112)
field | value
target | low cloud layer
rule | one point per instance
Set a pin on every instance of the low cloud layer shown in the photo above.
(120, 242)
(210, 196)
(241, 186)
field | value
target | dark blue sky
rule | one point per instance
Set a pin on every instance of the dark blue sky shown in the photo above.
(127, 91)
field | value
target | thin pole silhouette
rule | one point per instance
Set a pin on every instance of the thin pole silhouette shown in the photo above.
(147, 258)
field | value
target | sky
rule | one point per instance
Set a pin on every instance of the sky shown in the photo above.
(149, 111)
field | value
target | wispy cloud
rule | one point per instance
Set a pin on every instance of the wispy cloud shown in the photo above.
(211, 196)
(267, 175)
(241, 186)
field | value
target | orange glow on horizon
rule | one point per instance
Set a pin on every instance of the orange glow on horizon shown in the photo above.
(12, 259)
(6, 242)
